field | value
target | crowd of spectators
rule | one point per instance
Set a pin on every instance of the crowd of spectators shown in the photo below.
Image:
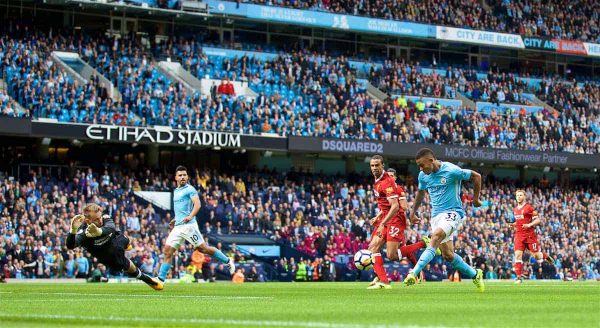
(551, 19)
(299, 93)
(324, 217)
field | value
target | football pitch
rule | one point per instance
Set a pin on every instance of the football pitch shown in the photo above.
(532, 304)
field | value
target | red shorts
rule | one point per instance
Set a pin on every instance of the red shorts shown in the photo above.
(392, 232)
(528, 241)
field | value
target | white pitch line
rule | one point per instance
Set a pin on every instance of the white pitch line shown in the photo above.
(159, 295)
(227, 322)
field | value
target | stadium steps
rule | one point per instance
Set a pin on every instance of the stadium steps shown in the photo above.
(538, 102)
(487, 6)
(375, 93)
(82, 72)
(18, 107)
(174, 71)
(465, 100)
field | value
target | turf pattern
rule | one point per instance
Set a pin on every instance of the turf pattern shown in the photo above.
(336, 305)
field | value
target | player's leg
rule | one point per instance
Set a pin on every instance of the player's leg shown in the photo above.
(520, 246)
(173, 241)
(518, 265)
(428, 254)
(194, 237)
(135, 272)
(535, 249)
(375, 247)
(217, 254)
(460, 265)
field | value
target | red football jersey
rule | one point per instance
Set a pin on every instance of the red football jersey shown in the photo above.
(401, 195)
(385, 189)
(524, 215)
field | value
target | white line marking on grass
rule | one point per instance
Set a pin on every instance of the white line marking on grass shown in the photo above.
(211, 297)
(227, 322)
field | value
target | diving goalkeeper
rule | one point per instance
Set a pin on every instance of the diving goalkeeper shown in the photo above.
(99, 235)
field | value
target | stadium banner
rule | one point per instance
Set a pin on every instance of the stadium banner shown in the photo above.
(321, 19)
(480, 37)
(260, 250)
(15, 126)
(430, 101)
(229, 53)
(503, 108)
(157, 135)
(226, 7)
(570, 47)
(592, 49)
(540, 44)
(449, 152)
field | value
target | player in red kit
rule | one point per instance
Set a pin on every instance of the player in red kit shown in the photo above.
(526, 219)
(386, 223)
(389, 224)
(409, 251)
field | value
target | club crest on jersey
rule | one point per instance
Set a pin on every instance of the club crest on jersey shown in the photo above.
(443, 180)
(389, 190)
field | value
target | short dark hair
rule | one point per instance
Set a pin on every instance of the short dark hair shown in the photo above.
(424, 152)
(378, 158)
(391, 170)
(180, 168)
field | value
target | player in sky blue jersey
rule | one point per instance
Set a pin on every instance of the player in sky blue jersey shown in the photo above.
(443, 182)
(186, 205)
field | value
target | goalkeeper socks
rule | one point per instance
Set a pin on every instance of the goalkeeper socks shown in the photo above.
(221, 257)
(164, 271)
(138, 274)
(426, 257)
(379, 269)
(462, 267)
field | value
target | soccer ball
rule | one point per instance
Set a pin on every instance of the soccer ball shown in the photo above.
(363, 260)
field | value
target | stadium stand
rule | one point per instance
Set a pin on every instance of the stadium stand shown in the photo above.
(544, 19)
(300, 93)
(322, 216)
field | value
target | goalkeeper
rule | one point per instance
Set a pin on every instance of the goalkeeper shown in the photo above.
(99, 235)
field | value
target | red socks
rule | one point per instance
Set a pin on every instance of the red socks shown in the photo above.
(410, 250)
(379, 269)
(519, 269)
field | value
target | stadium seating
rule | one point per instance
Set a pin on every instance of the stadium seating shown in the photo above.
(326, 218)
(544, 19)
(303, 93)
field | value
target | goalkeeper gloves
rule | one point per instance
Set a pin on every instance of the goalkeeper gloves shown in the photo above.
(76, 222)
(93, 231)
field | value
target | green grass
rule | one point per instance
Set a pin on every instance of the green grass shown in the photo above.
(532, 304)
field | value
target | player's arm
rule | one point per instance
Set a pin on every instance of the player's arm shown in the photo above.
(108, 227)
(394, 209)
(536, 220)
(418, 200)
(476, 179)
(195, 210)
(75, 239)
(375, 218)
(402, 200)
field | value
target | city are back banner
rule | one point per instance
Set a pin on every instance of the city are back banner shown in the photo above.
(398, 28)
(446, 152)
(321, 19)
